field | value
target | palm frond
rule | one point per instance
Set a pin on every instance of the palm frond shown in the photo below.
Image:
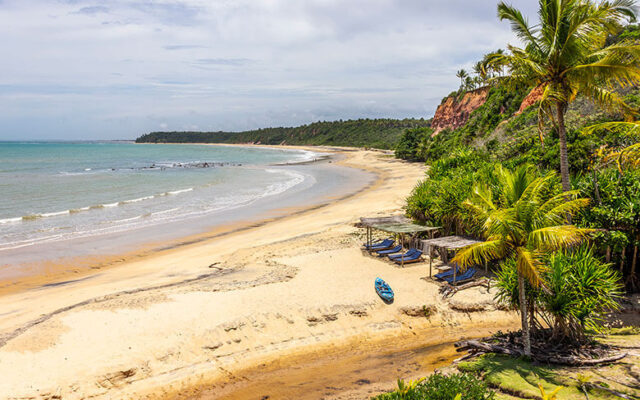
(551, 211)
(558, 214)
(504, 223)
(481, 252)
(529, 265)
(558, 237)
(627, 157)
(628, 128)
(519, 23)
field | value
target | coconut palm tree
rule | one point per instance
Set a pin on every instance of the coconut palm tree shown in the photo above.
(469, 83)
(522, 220)
(462, 74)
(481, 71)
(565, 55)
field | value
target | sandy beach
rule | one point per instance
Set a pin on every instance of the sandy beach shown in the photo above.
(273, 309)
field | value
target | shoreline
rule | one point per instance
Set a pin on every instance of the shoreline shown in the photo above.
(169, 324)
(61, 269)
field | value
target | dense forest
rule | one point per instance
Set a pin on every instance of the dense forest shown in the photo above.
(372, 133)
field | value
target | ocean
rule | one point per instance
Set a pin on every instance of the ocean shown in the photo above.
(56, 191)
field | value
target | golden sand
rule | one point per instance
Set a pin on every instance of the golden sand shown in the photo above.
(220, 318)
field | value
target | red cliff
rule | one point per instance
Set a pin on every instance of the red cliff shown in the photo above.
(533, 97)
(453, 113)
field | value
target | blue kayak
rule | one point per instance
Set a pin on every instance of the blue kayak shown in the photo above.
(384, 290)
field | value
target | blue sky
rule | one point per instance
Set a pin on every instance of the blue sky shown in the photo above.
(79, 69)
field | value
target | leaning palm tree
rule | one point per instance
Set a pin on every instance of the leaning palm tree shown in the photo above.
(520, 219)
(481, 71)
(565, 54)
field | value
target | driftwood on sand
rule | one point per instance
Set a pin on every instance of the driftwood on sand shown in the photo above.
(475, 347)
(449, 290)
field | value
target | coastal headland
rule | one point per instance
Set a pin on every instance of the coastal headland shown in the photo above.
(258, 309)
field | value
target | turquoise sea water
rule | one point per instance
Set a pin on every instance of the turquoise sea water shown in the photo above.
(56, 191)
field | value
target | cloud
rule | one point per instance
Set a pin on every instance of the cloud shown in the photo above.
(87, 68)
(223, 61)
(183, 47)
(92, 10)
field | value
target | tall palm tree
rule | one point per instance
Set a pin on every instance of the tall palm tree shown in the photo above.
(565, 55)
(462, 74)
(521, 220)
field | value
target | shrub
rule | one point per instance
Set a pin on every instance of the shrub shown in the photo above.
(579, 290)
(443, 387)
(438, 199)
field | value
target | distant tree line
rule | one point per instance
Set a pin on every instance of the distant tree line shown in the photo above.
(374, 133)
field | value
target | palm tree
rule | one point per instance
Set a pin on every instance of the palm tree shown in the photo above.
(565, 55)
(469, 83)
(462, 74)
(521, 222)
(481, 70)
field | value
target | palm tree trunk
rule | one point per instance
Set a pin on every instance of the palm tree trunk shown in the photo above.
(526, 337)
(564, 157)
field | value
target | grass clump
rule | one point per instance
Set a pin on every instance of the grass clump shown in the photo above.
(518, 378)
(441, 387)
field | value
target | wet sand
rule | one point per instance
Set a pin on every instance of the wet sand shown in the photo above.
(192, 320)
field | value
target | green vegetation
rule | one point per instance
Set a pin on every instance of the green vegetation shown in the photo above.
(441, 387)
(579, 291)
(522, 217)
(518, 378)
(566, 54)
(507, 378)
(602, 155)
(502, 102)
(372, 133)
(495, 178)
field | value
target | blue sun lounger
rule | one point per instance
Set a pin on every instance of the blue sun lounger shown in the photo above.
(407, 254)
(465, 276)
(382, 253)
(385, 244)
(404, 259)
(447, 273)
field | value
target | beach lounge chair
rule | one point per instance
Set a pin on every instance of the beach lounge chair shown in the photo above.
(447, 273)
(407, 254)
(382, 253)
(464, 277)
(414, 257)
(385, 244)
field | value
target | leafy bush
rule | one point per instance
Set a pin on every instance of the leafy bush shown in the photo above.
(409, 145)
(615, 209)
(579, 290)
(443, 387)
(437, 201)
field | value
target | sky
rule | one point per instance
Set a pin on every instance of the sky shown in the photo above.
(91, 69)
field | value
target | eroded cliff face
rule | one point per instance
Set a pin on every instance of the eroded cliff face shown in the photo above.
(533, 97)
(452, 114)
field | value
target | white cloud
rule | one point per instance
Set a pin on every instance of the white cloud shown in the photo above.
(96, 69)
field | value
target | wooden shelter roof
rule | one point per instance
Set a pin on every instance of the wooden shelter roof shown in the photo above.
(393, 219)
(450, 242)
(404, 228)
